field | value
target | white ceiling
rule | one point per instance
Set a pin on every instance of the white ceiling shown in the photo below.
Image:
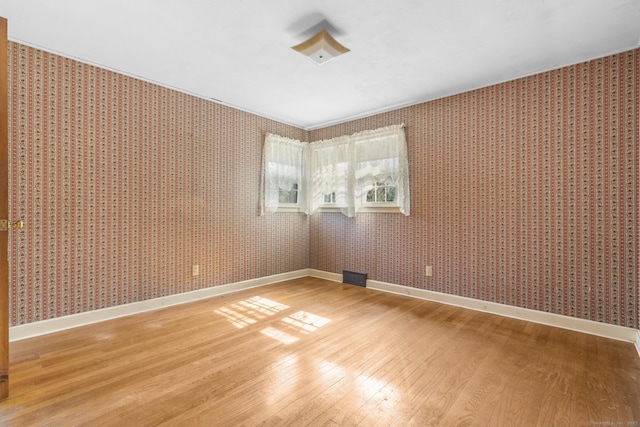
(238, 52)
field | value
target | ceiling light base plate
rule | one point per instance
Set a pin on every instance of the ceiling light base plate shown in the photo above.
(321, 48)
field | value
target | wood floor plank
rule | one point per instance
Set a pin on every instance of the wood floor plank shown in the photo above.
(482, 389)
(313, 352)
(463, 364)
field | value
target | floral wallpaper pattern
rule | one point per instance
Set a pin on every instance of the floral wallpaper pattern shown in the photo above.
(124, 185)
(523, 193)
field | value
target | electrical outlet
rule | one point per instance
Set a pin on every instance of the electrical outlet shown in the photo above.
(428, 271)
(195, 270)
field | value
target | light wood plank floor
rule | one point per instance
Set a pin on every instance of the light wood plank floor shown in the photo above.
(312, 352)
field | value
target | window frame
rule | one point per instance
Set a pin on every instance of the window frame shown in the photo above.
(291, 163)
(287, 206)
(312, 180)
(366, 207)
(380, 207)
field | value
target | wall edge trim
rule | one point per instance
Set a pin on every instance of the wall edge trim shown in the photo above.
(620, 333)
(31, 330)
(334, 277)
(43, 327)
(591, 327)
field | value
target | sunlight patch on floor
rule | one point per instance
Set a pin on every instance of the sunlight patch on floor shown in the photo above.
(250, 311)
(279, 335)
(305, 321)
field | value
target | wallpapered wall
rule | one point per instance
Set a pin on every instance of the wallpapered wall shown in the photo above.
(124, 185)
(523, 193)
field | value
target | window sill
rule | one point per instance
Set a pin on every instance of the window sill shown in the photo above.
(288, 209)
(329, 209)
(363, 209)
(379, 209)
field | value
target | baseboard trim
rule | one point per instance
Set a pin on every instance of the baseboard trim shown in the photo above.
(616, 332)
(334, 277)
(30, 330)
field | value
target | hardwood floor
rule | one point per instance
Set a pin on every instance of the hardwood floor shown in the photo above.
(312, 352)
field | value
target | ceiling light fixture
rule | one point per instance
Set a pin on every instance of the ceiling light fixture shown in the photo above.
(321, 48)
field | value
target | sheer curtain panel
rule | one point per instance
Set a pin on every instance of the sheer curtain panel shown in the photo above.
(337, 172)
(284, 161)
(329, 173)
(381, 156)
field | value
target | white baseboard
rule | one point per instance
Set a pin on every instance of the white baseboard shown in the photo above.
(34, 329)
(43, 327)
(334, 277)
(566, 322)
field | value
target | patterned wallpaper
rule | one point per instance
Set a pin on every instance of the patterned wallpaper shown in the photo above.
(124, 185)
(523, 193)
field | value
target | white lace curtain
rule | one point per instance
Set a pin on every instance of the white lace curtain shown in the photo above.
(284, 164)
(329, 170)
(343, 169)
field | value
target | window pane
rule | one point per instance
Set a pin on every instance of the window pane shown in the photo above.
(381, 193)
(330, 198)
(391, 194)
(286, 197)
(371, 196)
(290, 196)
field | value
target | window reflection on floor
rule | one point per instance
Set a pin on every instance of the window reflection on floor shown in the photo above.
(252, 310)
(277, 334)
(294, 325)
(249, 311)
(305, 322)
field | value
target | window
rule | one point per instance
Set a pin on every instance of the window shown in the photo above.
(383, 192)
(381, 171)
(330, 199)
(289, 197)
(366, 171)
(329, 174)
(283, 178)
